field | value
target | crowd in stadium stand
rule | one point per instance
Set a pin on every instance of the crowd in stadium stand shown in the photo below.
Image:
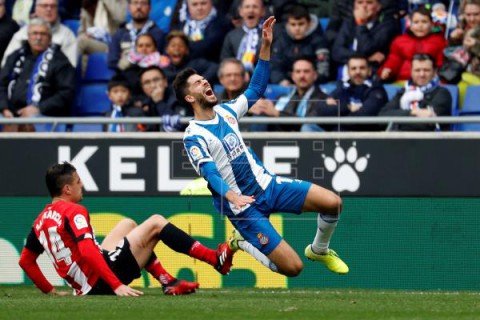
(348, 58)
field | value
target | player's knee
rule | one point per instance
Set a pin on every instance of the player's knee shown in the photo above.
(334, 204)
(130, 223)
(159, 220)
(294, 268)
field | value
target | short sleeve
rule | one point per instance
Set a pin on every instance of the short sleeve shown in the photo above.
(197, 151)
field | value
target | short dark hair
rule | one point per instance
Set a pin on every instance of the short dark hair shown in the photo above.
(422, 10)
(180, 85)
(118, 80)
(307, 59)
(226, 61)
(359, 56)
(146, 35)
(58, 175)
(297, 12)
(177, 34)
(150, 68)
(149, 2)
(424, 57)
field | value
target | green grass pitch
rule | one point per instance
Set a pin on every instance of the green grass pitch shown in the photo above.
(20, 303)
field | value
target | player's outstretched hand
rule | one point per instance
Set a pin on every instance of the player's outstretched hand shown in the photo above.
(60, 293)
(126, 291)
(267, 33)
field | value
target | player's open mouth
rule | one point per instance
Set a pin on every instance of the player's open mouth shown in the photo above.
(209, 92)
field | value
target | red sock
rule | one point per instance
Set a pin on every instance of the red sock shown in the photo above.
(155, 268)
(200, 252)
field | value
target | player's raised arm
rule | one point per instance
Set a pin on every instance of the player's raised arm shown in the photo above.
(261, 75)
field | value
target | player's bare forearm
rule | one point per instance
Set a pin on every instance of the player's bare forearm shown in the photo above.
(267, 39)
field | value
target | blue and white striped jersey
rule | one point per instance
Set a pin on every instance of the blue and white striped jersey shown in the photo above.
(219, 141)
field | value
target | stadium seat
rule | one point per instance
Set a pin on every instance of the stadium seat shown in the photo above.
(471, 103)
(324, 23)
(391, 90)
(93, 100)
(97, 68)
(73, 25)
(467, 126)
(453, 89)
(50, 127)
(274, 91)
(328, 87)
(90, 127)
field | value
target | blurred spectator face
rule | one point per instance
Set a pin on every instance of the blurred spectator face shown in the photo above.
(251, 12)
(304, 74)
(152, 80)
(38, 38)
(199, 9)
(422, 72)
(297, 28)
(2, 8)
(372, 7)
(119, 95)
(47, 10)
(358, 71)
(139, 9)
(472, 15)
(145, 45)
(232, 77)
(421, 25)
(176, 49)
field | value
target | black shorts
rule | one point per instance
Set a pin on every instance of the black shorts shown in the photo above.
(123, 264)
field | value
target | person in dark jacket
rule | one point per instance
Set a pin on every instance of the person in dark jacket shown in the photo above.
(305, 100)
(361, 95)
(302, 37)
(422, 97)
(204, 27)
(369, 32)
(161, 101)
(8, 27)
(243, 42)
(178, 53)
(37, 79)
(123, 41)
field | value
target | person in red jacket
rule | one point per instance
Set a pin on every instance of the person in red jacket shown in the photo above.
(419, 38)
(63, 231)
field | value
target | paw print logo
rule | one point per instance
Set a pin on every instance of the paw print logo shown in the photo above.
(345, 177)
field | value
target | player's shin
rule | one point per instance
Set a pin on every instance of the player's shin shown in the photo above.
(326, 225)
(155, 268)
(257, 254)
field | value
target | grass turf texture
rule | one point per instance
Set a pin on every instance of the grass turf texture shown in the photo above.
(28, 303)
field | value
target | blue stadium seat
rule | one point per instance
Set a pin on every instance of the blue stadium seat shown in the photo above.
(91, 127)
(391, 90)
(274, 91)
(328, 87)
(97, 68)
(467, 126)
(324, 23)
(471, 103)
(72, 25)
(49, 127)
(453, 89)
(93, 100)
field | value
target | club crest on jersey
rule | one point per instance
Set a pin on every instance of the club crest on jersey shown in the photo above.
(230, 119)
(195, 153)
(235, 148)
(80, 221)
(262, 238)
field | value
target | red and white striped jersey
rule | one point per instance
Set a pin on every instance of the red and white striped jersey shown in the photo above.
(58, 229)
